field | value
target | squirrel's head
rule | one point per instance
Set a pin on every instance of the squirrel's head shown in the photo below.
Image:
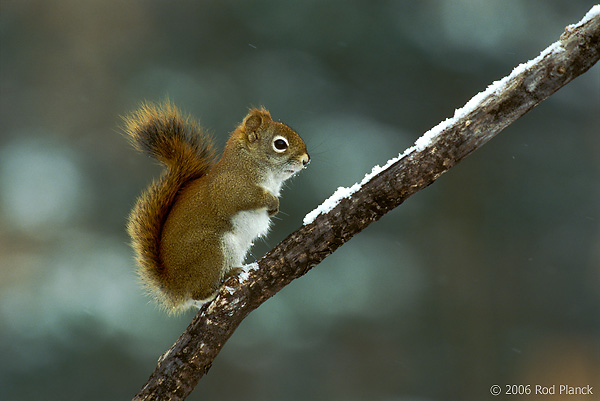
(274, 145)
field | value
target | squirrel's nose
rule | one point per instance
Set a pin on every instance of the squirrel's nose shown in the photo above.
(305, 159)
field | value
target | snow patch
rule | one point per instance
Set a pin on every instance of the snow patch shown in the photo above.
(594, 12)
(429, 137)
(245, 273)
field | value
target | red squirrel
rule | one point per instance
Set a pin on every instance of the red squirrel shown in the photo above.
(192, 229)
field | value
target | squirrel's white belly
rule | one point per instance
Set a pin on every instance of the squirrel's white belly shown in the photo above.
(247, 226)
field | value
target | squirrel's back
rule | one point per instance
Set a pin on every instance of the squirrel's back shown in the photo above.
(180, 144)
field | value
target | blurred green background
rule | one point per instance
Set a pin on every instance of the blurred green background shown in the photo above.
(490, 276)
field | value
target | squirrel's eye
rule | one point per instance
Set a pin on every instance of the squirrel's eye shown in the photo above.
(280, 144)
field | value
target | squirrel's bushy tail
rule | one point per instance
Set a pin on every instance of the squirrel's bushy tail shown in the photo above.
(180, 144)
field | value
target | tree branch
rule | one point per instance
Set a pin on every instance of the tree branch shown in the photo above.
(350, 210)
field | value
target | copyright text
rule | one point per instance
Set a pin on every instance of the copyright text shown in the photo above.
(526, 389)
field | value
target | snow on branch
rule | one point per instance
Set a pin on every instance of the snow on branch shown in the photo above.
(350, 210)
(493, 90)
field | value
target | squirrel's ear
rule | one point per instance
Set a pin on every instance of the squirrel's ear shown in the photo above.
(254, 120)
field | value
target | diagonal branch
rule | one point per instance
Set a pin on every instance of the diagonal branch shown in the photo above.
(350, 210)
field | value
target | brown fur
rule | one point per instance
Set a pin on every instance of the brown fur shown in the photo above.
(192, 228)
(179, 143)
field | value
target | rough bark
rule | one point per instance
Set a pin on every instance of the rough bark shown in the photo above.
(181, 367)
